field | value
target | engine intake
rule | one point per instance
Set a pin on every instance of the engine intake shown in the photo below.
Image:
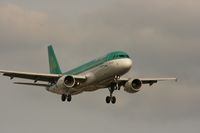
(133, 86)
(69, 81)
(66, 82)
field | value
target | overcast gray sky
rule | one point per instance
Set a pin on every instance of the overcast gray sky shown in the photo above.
(161, 36)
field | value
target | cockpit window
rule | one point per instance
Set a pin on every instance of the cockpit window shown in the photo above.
(120, 56)
(124, 56)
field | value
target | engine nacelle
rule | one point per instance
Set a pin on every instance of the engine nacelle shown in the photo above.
(66, 82)
(133, 86)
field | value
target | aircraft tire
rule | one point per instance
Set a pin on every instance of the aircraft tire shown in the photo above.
(63, 97)
(113, 100)
(108, 99)
(69, 98)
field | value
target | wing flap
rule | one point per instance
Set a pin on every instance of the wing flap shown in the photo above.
(32, 84)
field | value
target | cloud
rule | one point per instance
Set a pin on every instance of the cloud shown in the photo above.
(139, 27)
(18, 17)
(176, 20)
(161, 36)
(20, 25)
(18, 21)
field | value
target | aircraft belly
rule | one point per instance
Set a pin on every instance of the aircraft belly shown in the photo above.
(97, 78)
(55, 89)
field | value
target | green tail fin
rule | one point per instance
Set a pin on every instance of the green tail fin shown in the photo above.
(53, 62)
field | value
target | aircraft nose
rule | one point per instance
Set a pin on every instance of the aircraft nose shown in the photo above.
(127, 64)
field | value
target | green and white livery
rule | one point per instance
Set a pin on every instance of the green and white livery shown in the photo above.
(103, 72)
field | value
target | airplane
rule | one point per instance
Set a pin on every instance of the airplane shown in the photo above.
(100, 73)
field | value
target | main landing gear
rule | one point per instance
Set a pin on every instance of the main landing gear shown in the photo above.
(64, 97)
(112, 98)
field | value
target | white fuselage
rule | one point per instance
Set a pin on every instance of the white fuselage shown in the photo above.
(98, 77)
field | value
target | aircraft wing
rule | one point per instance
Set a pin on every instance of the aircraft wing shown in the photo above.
(33, 84)
(37, 76)
(150, 81)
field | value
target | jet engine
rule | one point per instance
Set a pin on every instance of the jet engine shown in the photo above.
(133, 85)
(66, 82)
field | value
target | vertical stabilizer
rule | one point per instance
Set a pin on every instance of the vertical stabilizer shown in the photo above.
(53, 62)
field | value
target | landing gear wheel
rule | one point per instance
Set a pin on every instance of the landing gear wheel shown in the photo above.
(63, 97)
(69, 98)
(108, 99)
(113, 100)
